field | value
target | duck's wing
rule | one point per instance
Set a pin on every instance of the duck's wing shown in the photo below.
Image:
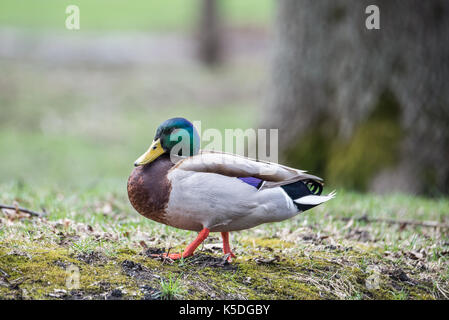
(205, 192)
(273, 174)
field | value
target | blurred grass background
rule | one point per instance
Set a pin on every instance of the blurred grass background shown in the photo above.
(151, 15)
(77, 107)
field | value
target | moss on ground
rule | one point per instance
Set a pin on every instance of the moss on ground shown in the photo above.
(317, 255)
(269, 269)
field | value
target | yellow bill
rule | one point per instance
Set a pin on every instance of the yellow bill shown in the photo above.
(152, 154)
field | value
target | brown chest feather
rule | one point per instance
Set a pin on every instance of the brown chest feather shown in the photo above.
(149, 189)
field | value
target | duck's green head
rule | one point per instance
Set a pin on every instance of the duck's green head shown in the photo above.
(175, 136)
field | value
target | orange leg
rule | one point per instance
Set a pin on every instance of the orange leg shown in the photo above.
(191, 247)
(226, 247)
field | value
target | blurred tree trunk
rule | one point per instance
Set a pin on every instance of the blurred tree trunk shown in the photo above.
(209, 33)
(367, 109)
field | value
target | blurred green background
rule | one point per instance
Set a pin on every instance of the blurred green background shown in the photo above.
(77, 107)
(150, 15)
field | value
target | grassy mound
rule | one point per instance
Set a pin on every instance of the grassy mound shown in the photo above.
(94, 246)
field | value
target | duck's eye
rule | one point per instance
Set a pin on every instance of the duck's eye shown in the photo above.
(155, 147)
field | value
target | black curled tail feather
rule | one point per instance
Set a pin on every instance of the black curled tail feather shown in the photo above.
(301, 189)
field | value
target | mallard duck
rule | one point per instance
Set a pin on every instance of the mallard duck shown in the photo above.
(177, 184)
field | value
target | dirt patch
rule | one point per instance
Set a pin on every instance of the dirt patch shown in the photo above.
(92, 257)
(400, 275)
(205, 260)
(150, 293)
(151, 251)
(138, 271)
(141, 274)
(198, 259)
(115, 294)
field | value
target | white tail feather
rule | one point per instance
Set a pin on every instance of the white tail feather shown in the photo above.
(315, 200)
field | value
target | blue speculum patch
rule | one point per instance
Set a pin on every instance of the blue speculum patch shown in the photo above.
(255, 182)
